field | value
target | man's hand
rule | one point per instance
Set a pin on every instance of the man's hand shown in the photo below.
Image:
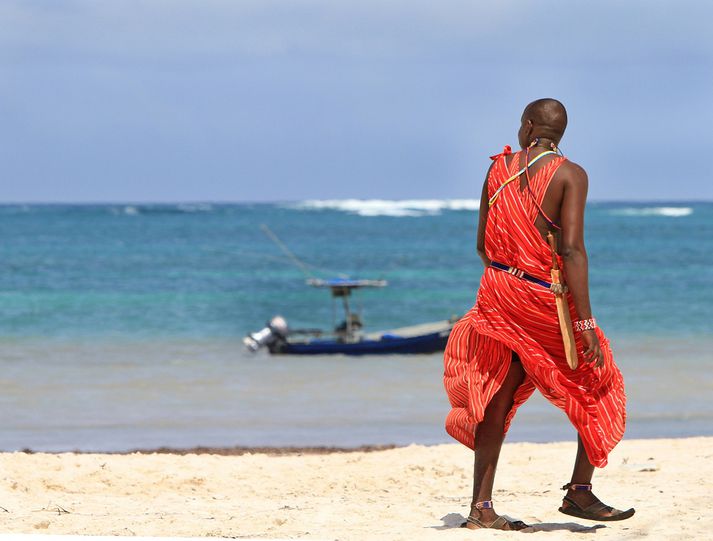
(592, 350)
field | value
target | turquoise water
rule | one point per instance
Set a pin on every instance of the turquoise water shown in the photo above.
(120, 325)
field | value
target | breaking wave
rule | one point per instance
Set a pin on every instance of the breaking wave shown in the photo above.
(672, 212)
(182, 208)
(390, 207)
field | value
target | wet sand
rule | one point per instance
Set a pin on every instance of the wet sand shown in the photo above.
(415, 492)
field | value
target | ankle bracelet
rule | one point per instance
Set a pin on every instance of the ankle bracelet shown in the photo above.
(577, 486)
(487, 504)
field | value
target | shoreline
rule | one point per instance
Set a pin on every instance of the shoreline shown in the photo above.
(415, 492)
(237, 450)
(300, 450)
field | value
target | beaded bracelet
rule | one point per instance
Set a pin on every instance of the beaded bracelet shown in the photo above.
(585, 324)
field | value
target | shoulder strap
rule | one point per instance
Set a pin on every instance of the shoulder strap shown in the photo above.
(534, 199)
(494, 198)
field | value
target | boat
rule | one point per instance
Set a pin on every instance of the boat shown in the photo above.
(348, 337)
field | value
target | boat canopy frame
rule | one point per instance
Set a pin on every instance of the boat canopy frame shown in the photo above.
(342, 287)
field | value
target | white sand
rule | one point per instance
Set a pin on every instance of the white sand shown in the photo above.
(414, 493)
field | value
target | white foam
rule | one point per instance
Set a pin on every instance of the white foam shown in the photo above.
(195, 207)
(390, 207)
(672, 212)
(131, 210)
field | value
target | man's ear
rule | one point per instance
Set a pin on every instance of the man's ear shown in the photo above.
(530, 128)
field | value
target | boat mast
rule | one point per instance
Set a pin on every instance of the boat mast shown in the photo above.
(345, 298)
(344, 292)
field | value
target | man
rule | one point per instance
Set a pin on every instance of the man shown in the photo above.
(510, 342)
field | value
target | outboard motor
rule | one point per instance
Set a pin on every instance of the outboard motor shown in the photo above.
(276, 329)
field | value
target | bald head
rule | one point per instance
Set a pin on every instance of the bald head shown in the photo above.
(545, 118)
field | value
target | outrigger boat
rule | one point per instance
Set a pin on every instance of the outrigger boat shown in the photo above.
(348, 337)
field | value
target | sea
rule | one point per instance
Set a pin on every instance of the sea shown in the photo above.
(121, 325)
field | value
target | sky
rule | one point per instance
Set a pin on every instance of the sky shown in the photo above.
(261, 100)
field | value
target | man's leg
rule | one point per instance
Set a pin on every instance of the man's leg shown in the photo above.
(489, 440)
(582, 474)
(583, 469)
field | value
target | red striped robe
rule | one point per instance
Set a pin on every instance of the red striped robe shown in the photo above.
(512, 314)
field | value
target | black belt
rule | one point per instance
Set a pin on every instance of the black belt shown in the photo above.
(520, 274)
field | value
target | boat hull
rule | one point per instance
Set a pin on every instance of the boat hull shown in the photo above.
(427, 343)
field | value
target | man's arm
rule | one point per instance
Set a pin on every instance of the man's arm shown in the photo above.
(574, 254)
(483, 219)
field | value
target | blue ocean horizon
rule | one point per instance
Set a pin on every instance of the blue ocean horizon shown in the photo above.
(121, 324)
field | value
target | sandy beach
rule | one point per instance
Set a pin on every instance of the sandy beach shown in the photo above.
(415, 492)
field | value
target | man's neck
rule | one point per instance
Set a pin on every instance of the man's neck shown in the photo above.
(543, 142)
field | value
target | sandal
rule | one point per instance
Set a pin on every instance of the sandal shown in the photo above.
(500, 523)
(597, 511)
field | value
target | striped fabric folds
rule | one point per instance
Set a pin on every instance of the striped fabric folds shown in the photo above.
(512, 314)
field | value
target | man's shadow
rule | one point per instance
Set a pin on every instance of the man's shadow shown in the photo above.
(456, 520)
